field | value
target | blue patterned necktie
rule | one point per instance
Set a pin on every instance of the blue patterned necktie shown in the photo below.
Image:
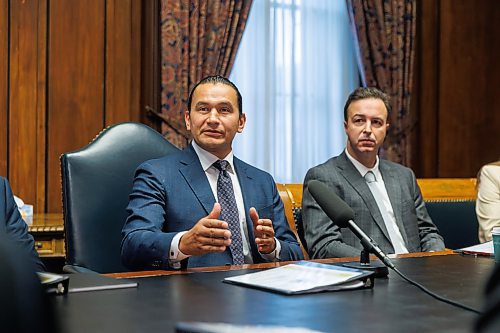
(229, 211)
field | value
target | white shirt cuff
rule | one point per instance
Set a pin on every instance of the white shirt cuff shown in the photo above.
(175, 256)
(275, 255)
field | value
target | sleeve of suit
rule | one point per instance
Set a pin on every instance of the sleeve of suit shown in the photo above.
(323, 237)
(144, 244)
(430, 240)
(17, 229)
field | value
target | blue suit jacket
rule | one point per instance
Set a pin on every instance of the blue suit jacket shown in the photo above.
(172, 193)
(14, 227)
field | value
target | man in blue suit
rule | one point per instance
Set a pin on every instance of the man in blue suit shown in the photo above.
(14, 227)
(174, 213)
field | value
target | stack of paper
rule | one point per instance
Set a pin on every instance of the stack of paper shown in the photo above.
(305, 277)
(484, 249)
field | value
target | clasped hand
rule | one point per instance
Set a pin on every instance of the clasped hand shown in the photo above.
(212, 235)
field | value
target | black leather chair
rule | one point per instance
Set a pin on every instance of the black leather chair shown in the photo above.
(456, 221)
(96, 183)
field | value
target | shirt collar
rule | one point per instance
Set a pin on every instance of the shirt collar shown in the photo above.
(362, 169)
(207, 159)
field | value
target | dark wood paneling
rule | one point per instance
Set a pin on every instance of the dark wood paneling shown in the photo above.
(27, 58)
(4, 85)
(426, 88)
(150, 63)
(41, 109)
(123, 24)
(456, 98)
(469, 116)
(76, 82)
(68, 68)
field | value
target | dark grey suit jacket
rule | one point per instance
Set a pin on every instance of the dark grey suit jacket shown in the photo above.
(324, 239)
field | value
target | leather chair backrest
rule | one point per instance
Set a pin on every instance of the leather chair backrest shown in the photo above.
(451, 205)
(456, 221)
(97, 181)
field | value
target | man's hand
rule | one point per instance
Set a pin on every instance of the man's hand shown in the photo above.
(264, 233)
(208, 235)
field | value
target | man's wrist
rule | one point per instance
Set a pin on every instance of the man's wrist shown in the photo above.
(275, 254)
(175, 254)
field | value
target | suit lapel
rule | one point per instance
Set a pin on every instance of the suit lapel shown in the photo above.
(394, 192)
(246, 182)
(353, 177)
(196, 179)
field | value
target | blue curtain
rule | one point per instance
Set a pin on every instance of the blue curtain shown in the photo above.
(295, 67)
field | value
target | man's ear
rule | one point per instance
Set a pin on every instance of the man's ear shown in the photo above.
(187, 120)
(242, 122)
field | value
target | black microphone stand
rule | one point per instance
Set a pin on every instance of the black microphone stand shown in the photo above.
(377, 267)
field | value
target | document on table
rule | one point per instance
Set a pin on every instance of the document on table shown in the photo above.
(483, 249)
(305, 277)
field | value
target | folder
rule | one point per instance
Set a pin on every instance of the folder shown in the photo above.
(305, 277)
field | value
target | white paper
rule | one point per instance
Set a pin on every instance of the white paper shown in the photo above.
(296, 278)
(483, 248)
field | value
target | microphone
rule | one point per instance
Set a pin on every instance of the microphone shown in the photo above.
(343, 215)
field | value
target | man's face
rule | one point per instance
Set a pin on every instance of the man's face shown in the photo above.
(214, 119)
(366, 127)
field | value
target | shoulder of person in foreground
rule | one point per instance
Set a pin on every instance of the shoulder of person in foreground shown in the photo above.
(15, 227)
(489, 319)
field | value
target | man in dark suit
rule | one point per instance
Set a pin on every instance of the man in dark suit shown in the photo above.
(385, 196)
(203, 206)
(14, 227)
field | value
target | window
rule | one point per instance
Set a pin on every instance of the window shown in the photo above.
(294, 68)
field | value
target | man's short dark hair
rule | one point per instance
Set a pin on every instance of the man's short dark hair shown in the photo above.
(213, 79)
(364, 93)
